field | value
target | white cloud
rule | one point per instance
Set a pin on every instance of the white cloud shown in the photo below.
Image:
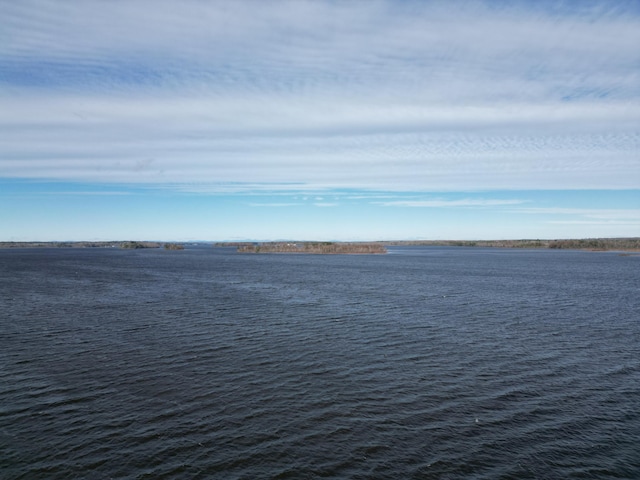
(306, 96)
(141, 141)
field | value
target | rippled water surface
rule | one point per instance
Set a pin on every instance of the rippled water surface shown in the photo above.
(439, 363)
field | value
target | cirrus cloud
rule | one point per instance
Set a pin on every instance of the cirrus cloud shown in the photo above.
(362, 95)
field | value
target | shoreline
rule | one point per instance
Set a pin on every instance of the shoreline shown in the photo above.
(121, 244)
(629, 245)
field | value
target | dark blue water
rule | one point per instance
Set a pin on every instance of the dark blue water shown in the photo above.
(439, 363)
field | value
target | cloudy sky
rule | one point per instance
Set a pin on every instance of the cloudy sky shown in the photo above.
(355, 120)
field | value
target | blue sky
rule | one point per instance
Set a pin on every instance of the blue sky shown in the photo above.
(363, 120)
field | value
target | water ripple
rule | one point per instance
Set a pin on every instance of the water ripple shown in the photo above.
(432, 363)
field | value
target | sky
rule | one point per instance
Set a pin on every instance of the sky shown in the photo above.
(319, 120)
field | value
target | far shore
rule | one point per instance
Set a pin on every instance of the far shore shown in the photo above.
(127, 245)
(629, 245)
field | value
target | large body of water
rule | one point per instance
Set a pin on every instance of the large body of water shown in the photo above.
(443, 363)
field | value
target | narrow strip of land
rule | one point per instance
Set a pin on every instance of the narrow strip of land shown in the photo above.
(323, 248)
(631, 243)
(594, 244)
(127, 245)
(376, 247)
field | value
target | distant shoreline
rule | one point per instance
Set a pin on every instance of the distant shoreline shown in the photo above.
(588, 244)
(630, 244)
(126, 245)
(591, 244)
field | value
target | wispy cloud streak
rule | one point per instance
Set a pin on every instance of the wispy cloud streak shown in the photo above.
(466, 202)
(274, 205)
(631, 214)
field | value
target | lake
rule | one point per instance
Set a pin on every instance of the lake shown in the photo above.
(427, 362)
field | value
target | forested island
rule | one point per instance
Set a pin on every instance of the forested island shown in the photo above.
(323, 248)
(173, 246)
(137, 245)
